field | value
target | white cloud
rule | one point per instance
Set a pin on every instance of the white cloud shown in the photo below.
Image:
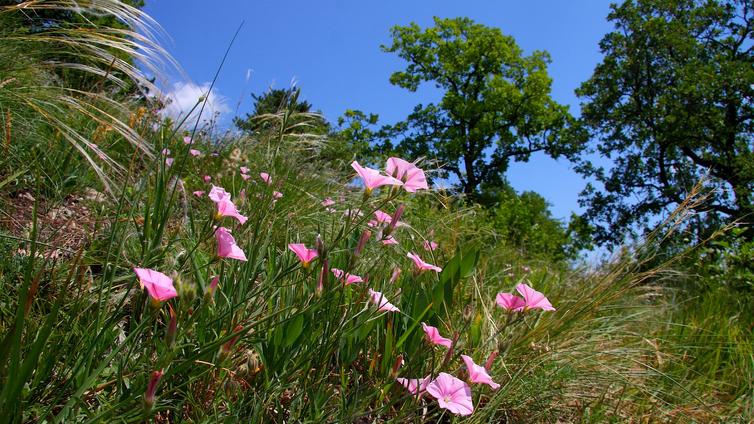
(184, 96)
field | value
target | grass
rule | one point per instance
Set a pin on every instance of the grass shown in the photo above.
(81, 339)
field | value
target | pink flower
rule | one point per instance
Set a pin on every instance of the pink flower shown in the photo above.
(194, 152)
(382, 217)
(277, 195)
(169, 162)
(207, 178)
(245, 177)
(417, 386)
(218, 194)
(158, 285)
(413, 178)
(226, 245)
(434, 337)
(430, 245)
(381, 301)
(477, 373)
(372, 177)
(346, 278)
(187, 140)
(421, 265)
(510, 302)
(389, 240)
(533, 298)
(225, 207)
(451, 394)
(328, 202)
(199, 193)
(305, 255)
(244, 170)
(166, 151)
(265, 177)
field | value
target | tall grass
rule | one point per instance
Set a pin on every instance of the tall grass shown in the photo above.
(75, 81)
(81, 339)
(277, 341)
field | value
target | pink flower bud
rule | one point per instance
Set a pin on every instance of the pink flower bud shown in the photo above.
(362, 243)
(154, 380)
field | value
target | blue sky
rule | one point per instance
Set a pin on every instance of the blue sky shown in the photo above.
(331, 49)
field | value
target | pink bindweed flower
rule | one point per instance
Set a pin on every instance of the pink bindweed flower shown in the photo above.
(421, 265)
(195, 153)
(244, 170)
(381, 301)
(533, 298)
(187, 140)
(245, 177)
(169, 162)
(265, 177)
(226, 245)
(452, 394)
(207, 178)
(510, 302)
(417, 386)
(430, 245)
(345, 277)
(166, 151)
(199, 193)
(382, 217)
(413, 178)
(218, 194)
(372, 178)
(158, 285)
(328, 202)
(277, 195)
(477, 373)
(389, 241)
(225, 207)
(434, 337)
(304, 255)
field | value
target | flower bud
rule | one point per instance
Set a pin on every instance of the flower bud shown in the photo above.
(362, 243)
(320, 246)
(149, 395)
(396, 274)
(490, 360)
(395, 219)
(172, 330)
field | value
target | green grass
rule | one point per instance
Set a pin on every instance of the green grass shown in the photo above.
(80, 338)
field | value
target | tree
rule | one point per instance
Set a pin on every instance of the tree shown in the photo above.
(286, 101)
(495, 106)
(672, 101)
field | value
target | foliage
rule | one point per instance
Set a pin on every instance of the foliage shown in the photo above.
(278, 100)
(672, 101)
(495, 106)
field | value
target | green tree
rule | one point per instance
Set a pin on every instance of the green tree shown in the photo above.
(672, 101)
(282, 101)
(525, 222)
(495, 106)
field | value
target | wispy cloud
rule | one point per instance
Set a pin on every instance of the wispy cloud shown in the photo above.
(184, 95)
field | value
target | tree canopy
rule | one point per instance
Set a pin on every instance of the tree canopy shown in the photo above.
(278, 100)
(672, 101)
(495, 107)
